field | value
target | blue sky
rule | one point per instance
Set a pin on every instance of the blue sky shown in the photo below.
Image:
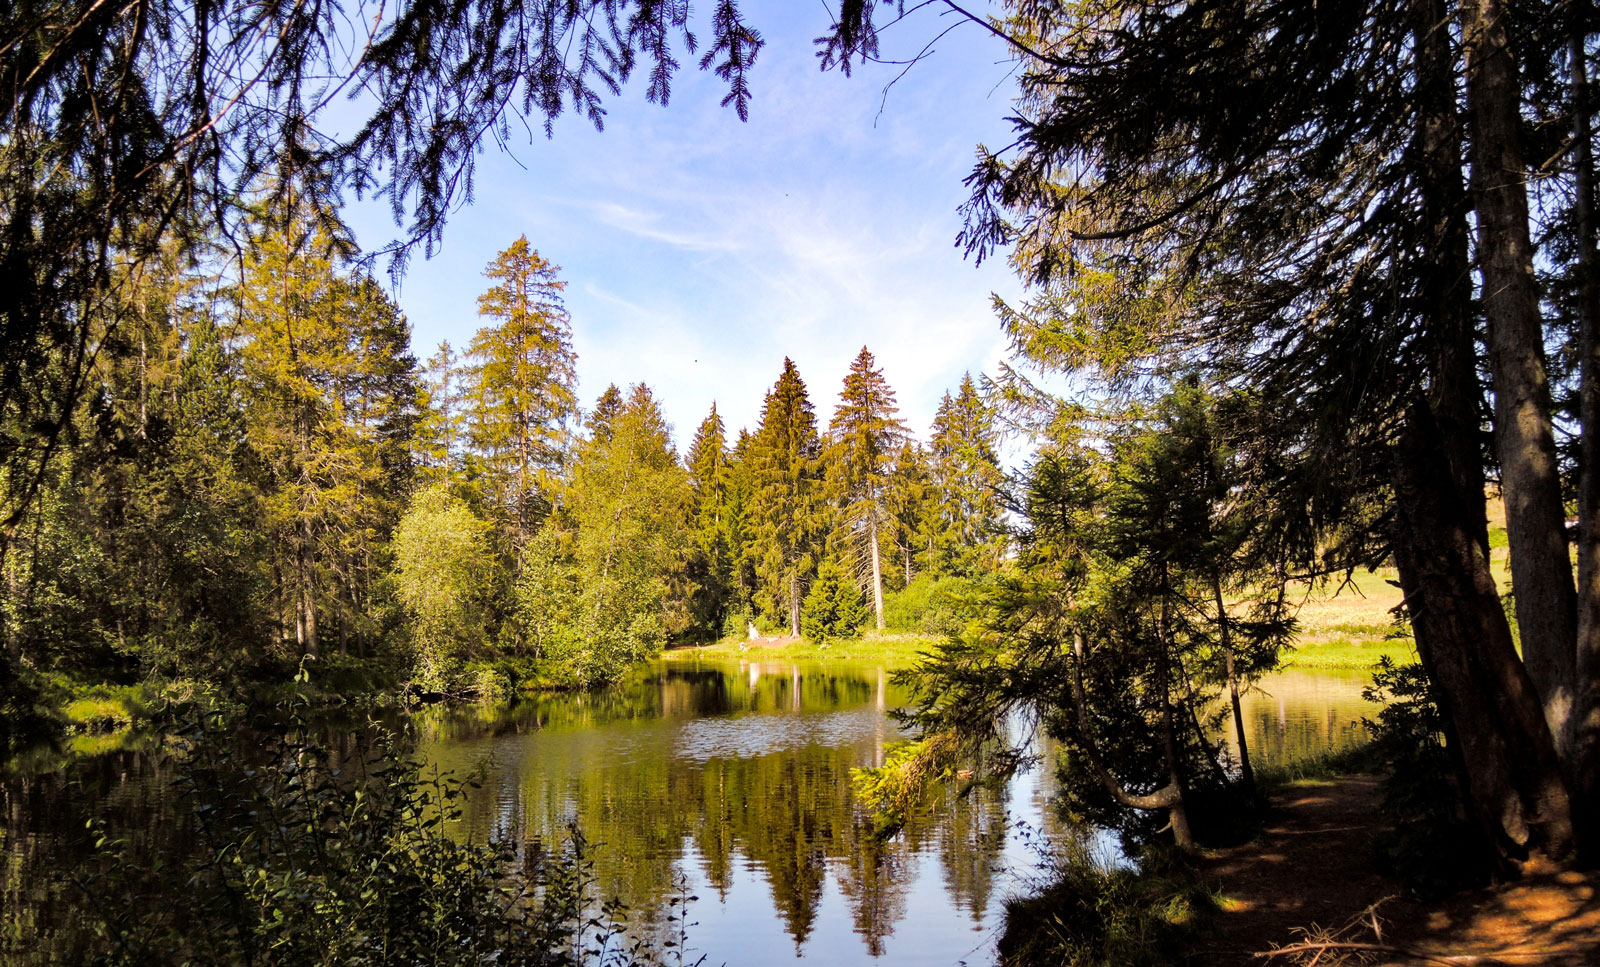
(700, 250)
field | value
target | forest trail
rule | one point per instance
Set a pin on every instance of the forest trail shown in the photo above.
(1313, 865)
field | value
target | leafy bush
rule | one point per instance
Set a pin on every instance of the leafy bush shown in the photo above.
(930, 604)
(833, 607)
(305, 857)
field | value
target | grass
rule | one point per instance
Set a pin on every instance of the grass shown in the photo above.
(889, 647)
(107, 708)
(1320, 769)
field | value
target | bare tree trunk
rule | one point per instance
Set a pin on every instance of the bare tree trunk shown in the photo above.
(1226, 633)
(308, 600)
(877, 573)
(1541, 572)
(794, 604)
(1583, 740)
(1512, 774)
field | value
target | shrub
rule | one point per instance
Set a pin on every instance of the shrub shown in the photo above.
(930, 604)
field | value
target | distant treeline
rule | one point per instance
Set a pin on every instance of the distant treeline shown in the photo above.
(260, 470)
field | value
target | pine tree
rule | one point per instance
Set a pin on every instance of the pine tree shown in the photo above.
(524, 385)
(966, 483)
(712, 564)
(909, 502)
(863, 438)
(441, 431)
(598, 423)
(332, 402)
(785, 500)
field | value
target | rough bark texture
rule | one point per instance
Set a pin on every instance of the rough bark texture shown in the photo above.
(1583, 739)
(1524, 439)
(1464, 642)
(877, 571)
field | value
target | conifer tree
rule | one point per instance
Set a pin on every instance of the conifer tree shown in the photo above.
(741, 523)
(966, 481)
(864, 436)
(785, 500)
(524, 390)
(600, 419)
(440, 434)
(710, 481)
(909, 503)
(332, 402)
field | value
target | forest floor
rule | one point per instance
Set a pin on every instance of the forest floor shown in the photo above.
(1312, 867)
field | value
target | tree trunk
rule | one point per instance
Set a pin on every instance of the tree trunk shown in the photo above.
(1178, 812)
(877, 573)
(1540, 570)
(794, 605)
(1583, 739)
(308, 600)
(1444, 266)
(1513, 776)
(1225, 633)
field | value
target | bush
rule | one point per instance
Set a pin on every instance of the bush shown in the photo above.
(930, 604)
(833, 607)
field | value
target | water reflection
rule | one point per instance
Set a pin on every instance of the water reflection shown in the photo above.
(733, 778)
(732, 773)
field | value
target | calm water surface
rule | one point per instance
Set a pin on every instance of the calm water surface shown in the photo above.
(729, 780)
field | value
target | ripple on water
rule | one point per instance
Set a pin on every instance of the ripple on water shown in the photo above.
(756, 735)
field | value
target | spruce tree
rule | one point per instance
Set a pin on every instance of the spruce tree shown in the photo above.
(710, 480)
(524, 385)
(863, 438)
(785, 500)
(600, 419)
(966, 483)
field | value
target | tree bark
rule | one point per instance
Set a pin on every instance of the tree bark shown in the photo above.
(877, 572)
(1513, 776)
(794, 605)
(1583, 738)
(1541, 572)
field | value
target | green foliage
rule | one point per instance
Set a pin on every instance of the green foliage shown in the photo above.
(931, 604)
(833, 607)
(443, 576)
(1431, 847)
(522, 387)
(1093, 913)
(785, 508)
(599, 585)
(303, 856)
(963, 531)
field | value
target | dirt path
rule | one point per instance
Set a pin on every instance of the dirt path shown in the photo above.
(1313, 864)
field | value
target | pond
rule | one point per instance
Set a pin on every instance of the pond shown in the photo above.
(728, 782)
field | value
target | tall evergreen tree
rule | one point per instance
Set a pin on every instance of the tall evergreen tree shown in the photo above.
(441, 432)
(786, 499)
(864, 436)
(715, 550)
(966, 480)
(524, 385)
